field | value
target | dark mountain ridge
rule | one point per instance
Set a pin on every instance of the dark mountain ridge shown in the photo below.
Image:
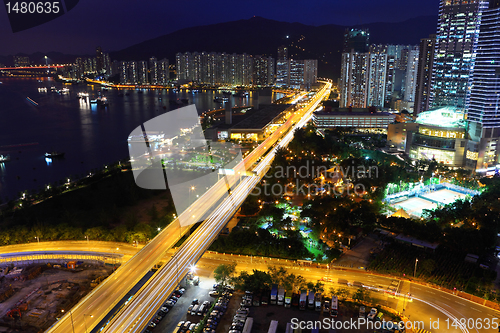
(258, 35)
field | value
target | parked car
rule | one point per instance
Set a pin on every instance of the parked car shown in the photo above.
(372, 314)
(195, 301)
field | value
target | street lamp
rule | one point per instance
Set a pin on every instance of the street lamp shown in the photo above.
(91, 316)
(38, 239)
(71, 316)
(192, 188)
(415, 271)
(87, 240)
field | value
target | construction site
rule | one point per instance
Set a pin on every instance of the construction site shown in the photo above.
(33, 297)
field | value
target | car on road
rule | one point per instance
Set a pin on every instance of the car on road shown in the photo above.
(372, 314)
(152, 325)
(213, 294)
(195, 301)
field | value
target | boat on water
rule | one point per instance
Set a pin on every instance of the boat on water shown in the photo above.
(4, 158)
(241, 94)
(83, 94)
(100, 101)
(42, 89)
(54, 154)
(221, 99)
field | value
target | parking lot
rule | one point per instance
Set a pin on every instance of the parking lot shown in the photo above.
(262, 315)
(179, 311)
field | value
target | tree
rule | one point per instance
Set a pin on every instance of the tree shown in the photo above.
(428, 266)
(293, 282)
(277, 275)
(224, 273)
(342, 293)
(360, 295)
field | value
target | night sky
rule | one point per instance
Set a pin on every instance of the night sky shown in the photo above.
(116, 24)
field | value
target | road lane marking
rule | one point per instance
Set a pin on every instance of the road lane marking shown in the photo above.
(446, 297)
(475, 309)
(460, 303)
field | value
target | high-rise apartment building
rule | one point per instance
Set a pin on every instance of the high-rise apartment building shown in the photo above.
(377, 74)
(424, 74)
(99, 59)
(20, 61)
(132, 72)
(153, 71)
(142, 71)
(354, 79)
(296, 74)
(282, 67)
(123, 65)
(163, 71)
(222, 68)
(411, 74)
(456, 39)
(263, 69)
(484, 104)
(310, 73)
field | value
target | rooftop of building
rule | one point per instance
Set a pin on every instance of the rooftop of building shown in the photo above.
(446, 117)
(255, 119)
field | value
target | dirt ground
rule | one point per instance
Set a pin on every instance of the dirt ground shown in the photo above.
(42, 298)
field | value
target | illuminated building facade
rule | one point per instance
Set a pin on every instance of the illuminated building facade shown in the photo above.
(377, 74)
(142, 72)
(441, 136)
(282, 67)
(354, 79)
(456, 39)
(222, 68)
(357, 118)
(411, 74)
(310, 73)
(20, 61)
(483, 112)
(424, 74)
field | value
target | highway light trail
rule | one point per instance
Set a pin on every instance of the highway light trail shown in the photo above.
(139, 311)
(103, 298)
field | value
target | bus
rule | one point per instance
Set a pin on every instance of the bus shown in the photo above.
(248, 325)
(334, 308)
(273, 327)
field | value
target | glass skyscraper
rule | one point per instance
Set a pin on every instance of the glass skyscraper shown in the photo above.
(483, 112)
(456, 39)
